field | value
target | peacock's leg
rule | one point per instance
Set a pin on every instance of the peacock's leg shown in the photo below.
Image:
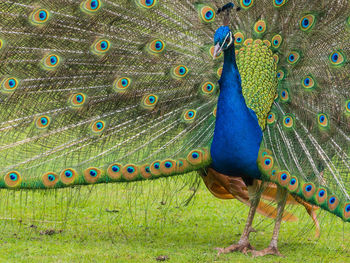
(281, 198)
(243, 244)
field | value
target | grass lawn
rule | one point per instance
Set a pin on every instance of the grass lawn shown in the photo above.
(138, 222)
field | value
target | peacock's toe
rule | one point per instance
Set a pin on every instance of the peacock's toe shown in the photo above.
(240, 247)
(267, 251)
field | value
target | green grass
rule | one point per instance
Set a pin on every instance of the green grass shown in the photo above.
(146, 220)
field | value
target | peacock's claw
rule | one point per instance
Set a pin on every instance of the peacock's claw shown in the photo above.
(244, 248)
(267, 251)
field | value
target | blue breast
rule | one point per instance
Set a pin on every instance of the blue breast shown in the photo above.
(237, 134)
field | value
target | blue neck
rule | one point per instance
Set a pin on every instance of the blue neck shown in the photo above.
(230, 60)
(237, 134)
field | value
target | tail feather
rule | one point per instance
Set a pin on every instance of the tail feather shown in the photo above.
(100, 94)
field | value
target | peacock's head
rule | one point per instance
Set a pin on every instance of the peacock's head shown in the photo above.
(223, 39)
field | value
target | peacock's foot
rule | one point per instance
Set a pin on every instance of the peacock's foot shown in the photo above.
(267, 251)
(241, 247)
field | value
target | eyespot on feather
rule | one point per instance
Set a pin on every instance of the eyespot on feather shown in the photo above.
(288, 121)
(145, 171)
(280, 74)
(265, 163)
(189, 115)
(293, 185)
(239, 38)
(13, 179)
(260, 27)
(122, 84)
(90, 6)
(168, 167)
(130, 172)
(98, 126)
(276, 41)
(9, 84)
(332, 202)
(146, 3)
(323, 121)
(283, 178)
(195, 157)
(337, 58)
(208, 88)
(246, 4)
(100, 46)
(77, 100)
(307, 22)
(276, 58)
(293, 57)
(50, 179)
(321, 196)
(114, 171)
(180, 71)
(308, 82)
(51, 62)
(39, 16)
(308, 190)
(68, 176)
(157, 46)
(207, 14)
(149, 101)
(279, 3)
(271, 118)
(42, 122)
(284, 95)
(155, 168)
(92, 174)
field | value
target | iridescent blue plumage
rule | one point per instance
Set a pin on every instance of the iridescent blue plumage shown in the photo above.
(237, 134)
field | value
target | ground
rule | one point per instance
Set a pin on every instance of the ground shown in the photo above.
(139, 222)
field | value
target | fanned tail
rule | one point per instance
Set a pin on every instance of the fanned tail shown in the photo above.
(103, 91)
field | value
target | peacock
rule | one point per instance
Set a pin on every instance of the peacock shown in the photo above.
(251, 94)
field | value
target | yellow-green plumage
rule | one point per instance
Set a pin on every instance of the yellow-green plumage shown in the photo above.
(258, 73)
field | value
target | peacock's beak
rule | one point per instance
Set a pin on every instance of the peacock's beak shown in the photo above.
(217, 50)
